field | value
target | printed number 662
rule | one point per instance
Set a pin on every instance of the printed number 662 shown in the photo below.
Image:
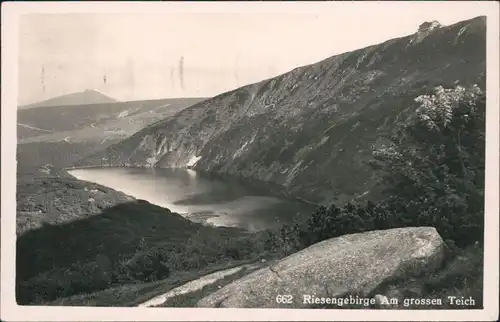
(284, 299)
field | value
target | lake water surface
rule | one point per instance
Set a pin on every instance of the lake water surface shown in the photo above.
(201, 197)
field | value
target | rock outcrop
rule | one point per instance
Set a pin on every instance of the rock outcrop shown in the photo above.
(311, 130)
(429, 25)
(355, 265)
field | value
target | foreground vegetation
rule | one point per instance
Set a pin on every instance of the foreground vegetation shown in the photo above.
(133, 242)
(433, 169)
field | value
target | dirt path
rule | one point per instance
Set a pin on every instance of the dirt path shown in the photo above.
(198, 284)
(33, 127)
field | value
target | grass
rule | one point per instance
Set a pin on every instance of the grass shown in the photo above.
(125, 244)
(47, 196)
(131, 295)
(461, 276)
(190, 299)
(59, 154)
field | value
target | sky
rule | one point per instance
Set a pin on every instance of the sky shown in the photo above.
(160, 54)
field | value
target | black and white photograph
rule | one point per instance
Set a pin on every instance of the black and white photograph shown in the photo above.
(208, 160)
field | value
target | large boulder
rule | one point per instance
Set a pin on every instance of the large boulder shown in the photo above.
(355, 264)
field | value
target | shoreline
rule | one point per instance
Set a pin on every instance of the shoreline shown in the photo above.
(278, 191)
(204, 217)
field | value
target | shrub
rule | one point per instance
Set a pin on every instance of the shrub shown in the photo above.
(434, 167)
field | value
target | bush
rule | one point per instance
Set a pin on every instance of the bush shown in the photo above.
(434, 167)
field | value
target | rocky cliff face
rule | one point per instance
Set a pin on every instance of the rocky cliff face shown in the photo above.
(310, 130)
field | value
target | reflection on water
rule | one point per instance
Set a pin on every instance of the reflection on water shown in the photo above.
(200, 197)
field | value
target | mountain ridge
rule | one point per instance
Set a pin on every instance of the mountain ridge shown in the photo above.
(61, 135)
(86, 97)
(310, 130)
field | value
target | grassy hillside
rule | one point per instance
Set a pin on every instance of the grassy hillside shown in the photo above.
(47, 195)
(77, 237)
(69, 118)
(61, 135)
(60, 154)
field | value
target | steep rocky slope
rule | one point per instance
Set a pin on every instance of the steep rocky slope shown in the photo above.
(311, 130)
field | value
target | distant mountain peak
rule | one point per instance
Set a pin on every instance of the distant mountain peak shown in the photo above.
(95, 90)
(86, 97)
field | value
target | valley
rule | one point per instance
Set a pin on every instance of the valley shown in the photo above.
(120, 202)
(296, 130)
(62, 135)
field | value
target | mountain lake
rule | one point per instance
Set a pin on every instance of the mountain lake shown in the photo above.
(202, 197)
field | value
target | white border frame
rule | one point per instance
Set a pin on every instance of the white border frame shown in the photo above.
(12, 312)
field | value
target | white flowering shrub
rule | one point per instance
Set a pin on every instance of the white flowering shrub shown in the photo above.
(437, 111)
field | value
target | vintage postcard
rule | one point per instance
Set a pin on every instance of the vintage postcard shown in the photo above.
(250, 161)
